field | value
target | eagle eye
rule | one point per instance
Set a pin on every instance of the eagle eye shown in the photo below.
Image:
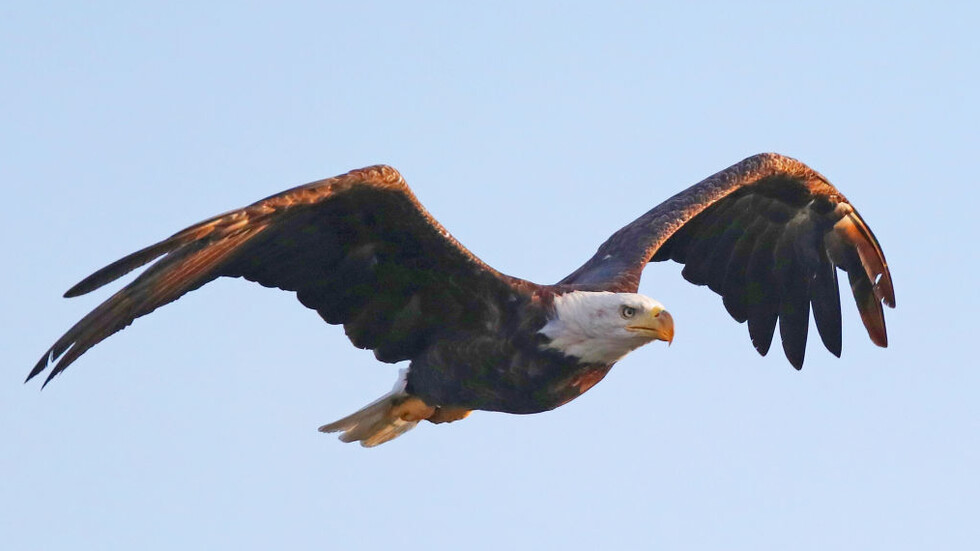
(627, 312)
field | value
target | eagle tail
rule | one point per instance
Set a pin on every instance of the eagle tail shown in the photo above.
(384, 419)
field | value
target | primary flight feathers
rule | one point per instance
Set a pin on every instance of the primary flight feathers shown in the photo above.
(768, 234)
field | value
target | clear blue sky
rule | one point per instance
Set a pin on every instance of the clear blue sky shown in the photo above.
(532, 133)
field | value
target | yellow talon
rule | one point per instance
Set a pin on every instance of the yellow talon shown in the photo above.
(448, 415)
(411, 410)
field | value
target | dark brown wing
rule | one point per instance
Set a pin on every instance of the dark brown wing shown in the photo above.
(766, 234)
(358, 248)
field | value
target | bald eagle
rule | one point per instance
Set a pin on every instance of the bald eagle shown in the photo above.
(767, 234)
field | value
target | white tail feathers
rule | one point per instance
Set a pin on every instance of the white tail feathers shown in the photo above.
(384, 419)
(375, 423)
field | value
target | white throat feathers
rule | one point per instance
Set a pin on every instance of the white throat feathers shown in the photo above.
(602, 327)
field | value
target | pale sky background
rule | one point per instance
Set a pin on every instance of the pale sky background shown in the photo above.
(532, 132)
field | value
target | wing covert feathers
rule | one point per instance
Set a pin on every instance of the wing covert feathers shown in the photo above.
(357, 248)
(768, 234)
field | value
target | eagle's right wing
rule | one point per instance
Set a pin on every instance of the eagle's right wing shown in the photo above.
(357, 248)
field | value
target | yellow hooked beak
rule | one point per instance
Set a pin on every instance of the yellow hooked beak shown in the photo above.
(656, 323)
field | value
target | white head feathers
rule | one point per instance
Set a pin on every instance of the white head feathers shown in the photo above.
(602, 327)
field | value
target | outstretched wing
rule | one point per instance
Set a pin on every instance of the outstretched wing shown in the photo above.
(357, 248)
(766, 234)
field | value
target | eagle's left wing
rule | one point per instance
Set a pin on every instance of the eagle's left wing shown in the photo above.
(766, 234)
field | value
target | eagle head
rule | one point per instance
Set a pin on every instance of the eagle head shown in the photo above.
(602, 327)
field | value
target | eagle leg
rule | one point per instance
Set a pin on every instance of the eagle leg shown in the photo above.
(412, 409)
(384, 419)
(448, 414)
